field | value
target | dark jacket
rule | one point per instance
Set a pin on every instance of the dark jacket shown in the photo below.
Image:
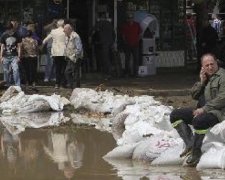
(214, 94)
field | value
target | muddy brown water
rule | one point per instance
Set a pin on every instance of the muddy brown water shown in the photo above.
(76, 153)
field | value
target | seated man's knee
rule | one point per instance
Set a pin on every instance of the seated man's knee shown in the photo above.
(198, 122)
(175, 115)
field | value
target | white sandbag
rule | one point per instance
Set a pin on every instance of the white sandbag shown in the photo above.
(79, 95)
(214, 158)
(102, 124)
(219, 131)
(12, 104)
(118, 121)
(146, 99)
(136, 132)
(121, 106)
(54, 101)
(21, 103)
(121, 152)
(171, 156)
(102, 101)
(65, 101)
(10, 92)
(152, 147)
(118, 126)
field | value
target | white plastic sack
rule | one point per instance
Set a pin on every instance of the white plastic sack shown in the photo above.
(10, 92)
(219, 131)
(121, 152)
(102, 101)
(171, 156)
(213, 158)
(15, 101)
(152, 147)
(136, 132)
(54, 101)
(118, 126)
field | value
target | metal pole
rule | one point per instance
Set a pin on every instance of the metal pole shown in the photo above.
(93, 25)
(93, 13)
(115, 22)
(68, 9)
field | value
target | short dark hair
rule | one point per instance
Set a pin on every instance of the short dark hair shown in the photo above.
(29, 33)
(8, 26)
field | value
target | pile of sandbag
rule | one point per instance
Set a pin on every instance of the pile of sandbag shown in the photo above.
(143, 131)
(19, 110)
(14, 100)
(101, 101)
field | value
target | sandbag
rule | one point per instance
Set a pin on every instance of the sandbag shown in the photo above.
(213, 158)
(171, 156)
(121, 152)
(15, 101)
(153, 147)
(10, 92)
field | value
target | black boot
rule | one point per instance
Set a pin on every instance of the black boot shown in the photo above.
(186, 134)
(194, 158)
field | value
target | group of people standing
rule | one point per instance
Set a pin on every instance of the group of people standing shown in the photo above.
(103, 39)
(67, 52)
(20, 54)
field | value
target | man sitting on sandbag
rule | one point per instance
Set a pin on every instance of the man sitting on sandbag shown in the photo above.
(211, 112)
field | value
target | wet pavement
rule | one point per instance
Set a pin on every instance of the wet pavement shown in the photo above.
(167, 83)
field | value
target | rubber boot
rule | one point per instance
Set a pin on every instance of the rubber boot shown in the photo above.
(186, 134)
(194, 158)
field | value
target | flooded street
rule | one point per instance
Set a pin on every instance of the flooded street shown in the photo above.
(76, 153)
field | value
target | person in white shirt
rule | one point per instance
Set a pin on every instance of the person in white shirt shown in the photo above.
(58, 45)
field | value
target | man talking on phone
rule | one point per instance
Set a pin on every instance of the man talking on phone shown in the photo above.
(208, 113)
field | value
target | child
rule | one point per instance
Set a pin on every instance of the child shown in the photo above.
(30, 57)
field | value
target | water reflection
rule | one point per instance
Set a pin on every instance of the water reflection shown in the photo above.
(22, 153)
(11, 148)
(65, 150)
(130, 170)
(17, 123)
(68, 152)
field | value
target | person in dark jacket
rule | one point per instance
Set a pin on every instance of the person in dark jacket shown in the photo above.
(208, 39)
(130, 32)
(212, 87)
(103, 37)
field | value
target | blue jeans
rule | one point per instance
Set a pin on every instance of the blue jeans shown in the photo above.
(10, 67)
(49, 66)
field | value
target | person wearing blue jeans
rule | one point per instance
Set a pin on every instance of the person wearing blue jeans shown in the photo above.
(10, 55)
(10, 67)
(49, 66)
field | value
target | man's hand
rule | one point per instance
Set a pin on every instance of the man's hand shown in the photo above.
(198, 112)
(203, 76)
